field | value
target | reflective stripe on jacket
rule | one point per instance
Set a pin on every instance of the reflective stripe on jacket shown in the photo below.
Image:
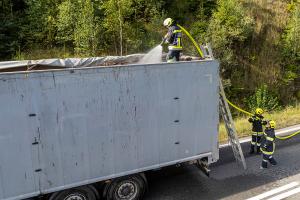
(174, 38)
(257, 123)
(268, 142)
(257, 133)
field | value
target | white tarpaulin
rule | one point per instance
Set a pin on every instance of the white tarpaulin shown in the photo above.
(72, 62)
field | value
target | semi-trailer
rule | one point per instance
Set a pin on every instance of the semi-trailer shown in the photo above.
(92, 132)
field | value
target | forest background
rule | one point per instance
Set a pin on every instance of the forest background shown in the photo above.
(256, 41)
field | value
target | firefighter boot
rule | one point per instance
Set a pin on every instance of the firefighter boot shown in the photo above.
(272, 161)
(264, 164)
(251, 149)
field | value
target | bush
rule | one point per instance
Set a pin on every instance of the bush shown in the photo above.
(264, 99)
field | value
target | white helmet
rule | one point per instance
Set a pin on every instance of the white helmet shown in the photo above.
(168, 22)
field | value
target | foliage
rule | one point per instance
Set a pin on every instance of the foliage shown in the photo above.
(201, 21)
(229, 28)
(94, 27)
(66, 21)
(77, 26)
(264, 99)
(10, 17)
(291, 42)
(116, 21)
(8, 38)
(40, 22)
(129, 23)
(86, 30)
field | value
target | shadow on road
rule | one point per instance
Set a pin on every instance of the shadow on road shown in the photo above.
(226, 178)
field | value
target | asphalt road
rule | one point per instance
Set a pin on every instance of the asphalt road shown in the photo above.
(228, 181)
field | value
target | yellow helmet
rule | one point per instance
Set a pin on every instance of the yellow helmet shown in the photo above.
(272, 124)
(168, 22)
(259, 111)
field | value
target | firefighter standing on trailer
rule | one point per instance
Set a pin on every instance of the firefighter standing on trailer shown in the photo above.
(173, 39)
(257, 130)
(268, 145)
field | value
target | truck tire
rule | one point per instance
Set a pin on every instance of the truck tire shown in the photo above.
(126, 188)
(79, 193)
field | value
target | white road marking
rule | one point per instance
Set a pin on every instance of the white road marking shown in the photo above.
(279, 133)
(288, 130)
(286, 194)
(274, 191)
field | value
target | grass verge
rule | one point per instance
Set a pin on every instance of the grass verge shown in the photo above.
(283, 118)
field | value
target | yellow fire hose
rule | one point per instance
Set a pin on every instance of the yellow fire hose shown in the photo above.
(192, 39)
(230, 103)
(239, 109)
(248, 113)
(288, 136)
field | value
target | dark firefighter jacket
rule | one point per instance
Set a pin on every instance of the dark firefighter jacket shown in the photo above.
(268, 141)
(173, 38)
(257, 123)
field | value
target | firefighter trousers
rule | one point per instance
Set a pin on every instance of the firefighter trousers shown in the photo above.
(255, 141)
(267, 158)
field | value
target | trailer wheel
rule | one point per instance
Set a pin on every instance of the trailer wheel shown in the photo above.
(126, 188)
(80, 193)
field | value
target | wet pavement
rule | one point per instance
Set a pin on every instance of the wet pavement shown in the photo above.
(228, 181)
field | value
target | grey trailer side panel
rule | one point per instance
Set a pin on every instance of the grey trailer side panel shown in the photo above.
(100, 123)
(17, 177)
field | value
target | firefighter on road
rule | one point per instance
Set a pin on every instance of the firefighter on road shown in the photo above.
(257, 130)
(173, 39)
(268, 145)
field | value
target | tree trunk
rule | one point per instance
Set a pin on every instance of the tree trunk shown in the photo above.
(116, 45)
(121, 29)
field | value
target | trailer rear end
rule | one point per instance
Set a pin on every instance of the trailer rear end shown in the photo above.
(67, 131)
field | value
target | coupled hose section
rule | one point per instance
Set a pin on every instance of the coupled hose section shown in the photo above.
(230, 103)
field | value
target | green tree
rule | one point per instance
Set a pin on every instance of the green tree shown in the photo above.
(78, 27)
(86, 30)
(144, 29)
(66, 21)
(228, 29)
(201, 21)
(116, 11)
(291, 42)
(11, 15)
(41, 22)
